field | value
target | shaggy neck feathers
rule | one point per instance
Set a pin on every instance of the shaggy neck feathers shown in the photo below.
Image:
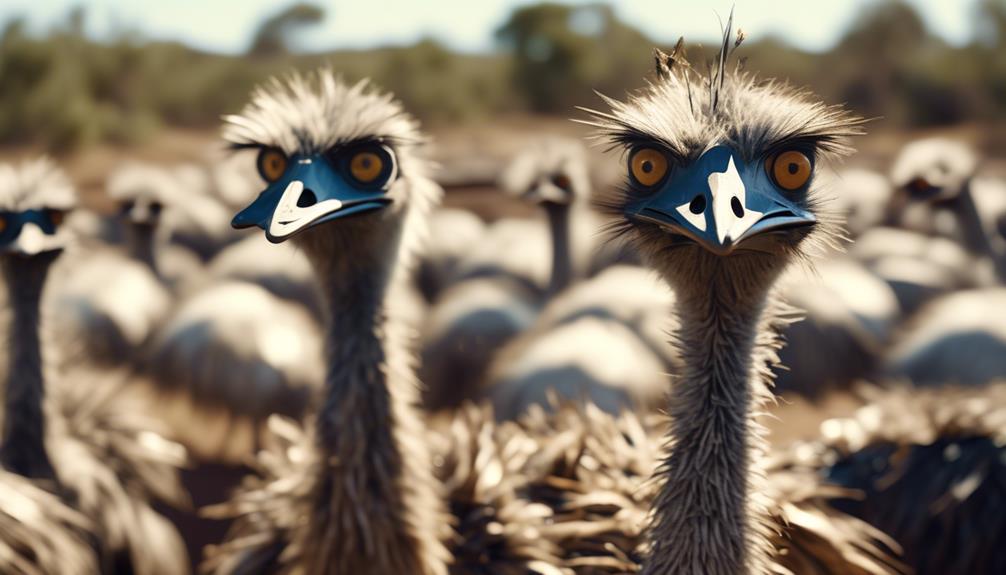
(709, 516)
(23, 450)
(562, 264)
(141, 244)
(378, 507)
(971, 225)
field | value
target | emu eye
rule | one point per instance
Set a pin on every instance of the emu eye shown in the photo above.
(366, 166)
(57, 217)
(561, 181)
(271, 164)
(790, 170)
(647, 166)
(370, 165)
(3, 224)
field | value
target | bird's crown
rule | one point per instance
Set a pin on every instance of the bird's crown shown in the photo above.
(720, 158)
(311, 113)
(35, 185)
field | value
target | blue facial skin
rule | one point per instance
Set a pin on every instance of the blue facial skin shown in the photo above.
(326, 179)
(17, 220)
(682, 185)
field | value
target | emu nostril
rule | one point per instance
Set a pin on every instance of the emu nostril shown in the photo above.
(735, 205)
(306, 199)
(698, 205)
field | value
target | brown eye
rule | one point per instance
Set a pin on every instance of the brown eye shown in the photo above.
(561, 181)
(3, 224)
(365, 167)
(271, 164)
(648, 166)
(791, 169)
(57, 217)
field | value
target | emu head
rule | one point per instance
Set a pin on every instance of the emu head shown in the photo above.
(35, 198)
(720, 171)
(140, 193)
(933, 170)
(550, 171)
(340, 166)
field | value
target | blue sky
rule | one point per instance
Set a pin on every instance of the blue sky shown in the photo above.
(227, 25)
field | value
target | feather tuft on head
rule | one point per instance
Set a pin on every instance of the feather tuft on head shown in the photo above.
(35, 185)
(310, 113)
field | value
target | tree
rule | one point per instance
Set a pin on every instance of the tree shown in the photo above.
(990, 22)
(273, 34)
(560, 53)
(875, 59)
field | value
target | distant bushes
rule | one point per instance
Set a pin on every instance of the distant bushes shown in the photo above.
(64, 91)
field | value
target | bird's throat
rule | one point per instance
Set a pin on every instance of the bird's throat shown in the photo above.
(707, 515)
(383, 513)
(562, 259)
(141, 240)
(22, 448)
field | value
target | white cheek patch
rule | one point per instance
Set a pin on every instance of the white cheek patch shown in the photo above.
(31, 240)
(289, 218)
(140, 213)
(698, 220)
(725, 186)
(548, 192)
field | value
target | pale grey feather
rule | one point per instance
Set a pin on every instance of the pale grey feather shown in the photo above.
(35, 185)
(712, 511)
(107, 461)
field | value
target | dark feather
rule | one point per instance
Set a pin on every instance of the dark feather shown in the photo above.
(594, 471)
(930, 469)
(716, 88)
(476, 462)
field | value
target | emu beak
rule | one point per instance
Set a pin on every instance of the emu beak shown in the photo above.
(721, 203)
(142, 213)
(311, 193)
(32, 241)
(548, 193)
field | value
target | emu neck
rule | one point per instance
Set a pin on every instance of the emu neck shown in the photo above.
(707, 517)
(378, 508)
(971, 227)
(22, 449)
(140, 238)
(562, 260)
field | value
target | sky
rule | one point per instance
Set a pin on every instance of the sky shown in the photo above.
(467, 25)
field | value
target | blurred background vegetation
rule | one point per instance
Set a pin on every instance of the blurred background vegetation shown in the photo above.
(62, 91)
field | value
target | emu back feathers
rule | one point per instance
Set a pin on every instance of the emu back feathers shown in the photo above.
(555, 493)
(477, 463)
(39, 534)
(594, 471)
(108, 456)
(930, 468)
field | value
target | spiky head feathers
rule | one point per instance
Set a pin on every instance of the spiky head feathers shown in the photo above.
(935, 162)
(137, 181)
(750, 116)
(314, 112)
(342, 165)
(311, 114)
(719, 136)
(35, 185)
(550, 169)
